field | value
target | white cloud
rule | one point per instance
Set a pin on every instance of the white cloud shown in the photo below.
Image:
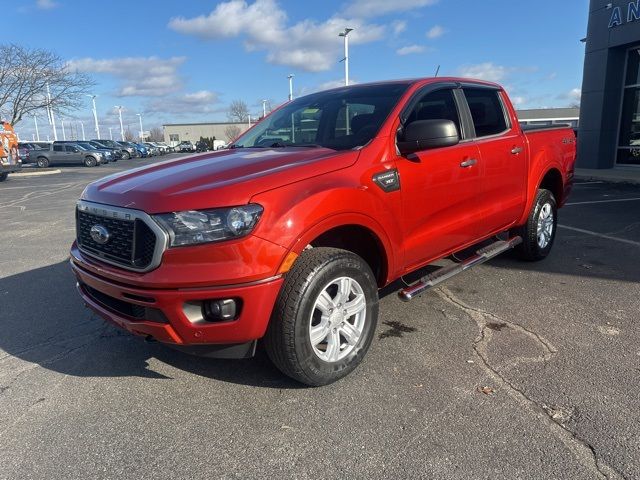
(46, 4)
(140, 76)
(435, 32)
(376, 8)
(399, 26)
(409, 49)
(575, 95)
(485, 71)
(307, 45)
(199, 102)
(518, 101)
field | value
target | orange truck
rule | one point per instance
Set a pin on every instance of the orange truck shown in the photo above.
(9, 159)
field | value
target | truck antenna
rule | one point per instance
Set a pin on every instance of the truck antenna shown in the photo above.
(437, 70)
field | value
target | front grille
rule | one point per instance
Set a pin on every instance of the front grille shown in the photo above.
(131, 244)
(132, 310)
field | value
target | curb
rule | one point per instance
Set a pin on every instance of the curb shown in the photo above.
(36, 174)
(607, 179)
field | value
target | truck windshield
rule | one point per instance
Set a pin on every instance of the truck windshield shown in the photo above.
(340, 119)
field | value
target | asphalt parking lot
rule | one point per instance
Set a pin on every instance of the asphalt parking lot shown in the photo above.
(512, 370)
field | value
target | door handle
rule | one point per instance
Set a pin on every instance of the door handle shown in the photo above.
(469, 163)
(516, 150)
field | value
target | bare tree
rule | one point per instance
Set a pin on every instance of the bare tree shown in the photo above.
(24, 75)
(129, 137)
(232, 132)
(238, 111)
(156, 134)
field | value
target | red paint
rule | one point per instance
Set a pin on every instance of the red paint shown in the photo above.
(440, 208)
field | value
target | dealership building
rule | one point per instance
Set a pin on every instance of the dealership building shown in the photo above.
(175, 133)
(609, 134)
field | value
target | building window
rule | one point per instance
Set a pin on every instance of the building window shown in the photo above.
(629, 143)
(174, 137)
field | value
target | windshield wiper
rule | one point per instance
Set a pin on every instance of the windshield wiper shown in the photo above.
(233, 145)
(307, 145)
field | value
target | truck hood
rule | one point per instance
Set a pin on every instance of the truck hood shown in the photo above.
(216, 179)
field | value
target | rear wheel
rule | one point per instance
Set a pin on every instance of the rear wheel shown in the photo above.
(3, 176)
(539, 233)
(325, 317)
(42, 162)
(90, 162)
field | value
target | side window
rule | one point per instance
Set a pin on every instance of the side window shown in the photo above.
(436, 105)
(58, 148)
(486, 111)
(174, 137)
(69, 148)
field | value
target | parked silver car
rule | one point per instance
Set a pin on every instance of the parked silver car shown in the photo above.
(60, 153)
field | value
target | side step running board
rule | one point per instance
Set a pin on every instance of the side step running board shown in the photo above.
(439, 276)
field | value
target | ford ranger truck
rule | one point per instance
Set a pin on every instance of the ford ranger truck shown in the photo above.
(287, 235)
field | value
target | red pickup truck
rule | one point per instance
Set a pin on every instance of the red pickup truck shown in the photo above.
(288, 234)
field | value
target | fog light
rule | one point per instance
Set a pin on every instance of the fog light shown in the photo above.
(220, 310)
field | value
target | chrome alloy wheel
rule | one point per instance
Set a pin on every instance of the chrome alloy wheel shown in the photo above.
(545, 225)
(337, 319)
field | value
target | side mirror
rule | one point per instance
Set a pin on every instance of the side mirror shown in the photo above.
(75, 150)
(426, 134)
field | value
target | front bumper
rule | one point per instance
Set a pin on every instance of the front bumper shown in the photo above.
(6, 167)
(164, 314)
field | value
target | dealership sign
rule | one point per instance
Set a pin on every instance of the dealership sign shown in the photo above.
(632, 14)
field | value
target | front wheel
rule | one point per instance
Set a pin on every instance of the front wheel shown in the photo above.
(325, 317)
(90, 162)
(3, 176)
(42, 162)
(126, 156)
(539, 233)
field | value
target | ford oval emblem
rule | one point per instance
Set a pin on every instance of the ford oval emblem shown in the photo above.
(100, 234)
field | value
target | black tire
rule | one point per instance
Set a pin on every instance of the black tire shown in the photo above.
(530, 249)
(126, 155)
(90, 162)
(42, 162)
(288, 342)
(3, 176)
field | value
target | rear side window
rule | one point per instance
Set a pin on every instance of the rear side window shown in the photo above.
(486, 111)
(58, 148)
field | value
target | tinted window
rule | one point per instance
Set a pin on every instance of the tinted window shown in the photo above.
(339, 119)
(69, 148)
(58, 148)
(436, 105)
(486, 111)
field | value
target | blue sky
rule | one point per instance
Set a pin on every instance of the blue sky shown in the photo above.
(185, 60)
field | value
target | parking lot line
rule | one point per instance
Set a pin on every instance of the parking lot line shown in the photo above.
(601, 235)
(591, 202)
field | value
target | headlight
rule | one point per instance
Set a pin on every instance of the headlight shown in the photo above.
(204, 226)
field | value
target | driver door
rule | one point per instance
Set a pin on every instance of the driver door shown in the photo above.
(440, 188)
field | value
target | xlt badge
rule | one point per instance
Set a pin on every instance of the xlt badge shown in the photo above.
(389, 180)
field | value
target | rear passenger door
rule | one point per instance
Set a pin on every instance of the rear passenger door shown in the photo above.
(503, 158)
(57, 154)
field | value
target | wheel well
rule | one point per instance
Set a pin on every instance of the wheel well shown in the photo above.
(552, 181)
(361, 241)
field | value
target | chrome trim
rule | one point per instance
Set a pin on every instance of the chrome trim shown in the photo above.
(127, 214)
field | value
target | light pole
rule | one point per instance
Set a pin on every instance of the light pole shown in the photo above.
(82, 127)
(95, 114)
(52, 119)
(64, 137)
(345, 35)
(141, 130)
(119, 107)
(110, 133)
(290, 77)
(264, 108)
(35, 121)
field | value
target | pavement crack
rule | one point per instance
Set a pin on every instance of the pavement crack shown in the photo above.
(582, 450)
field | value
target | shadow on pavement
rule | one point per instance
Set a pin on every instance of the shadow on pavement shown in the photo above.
(44, 321)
